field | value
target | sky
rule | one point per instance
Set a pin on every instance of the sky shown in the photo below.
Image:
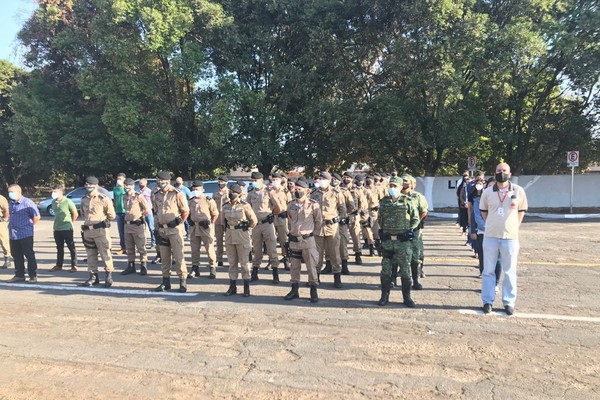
(13, 14)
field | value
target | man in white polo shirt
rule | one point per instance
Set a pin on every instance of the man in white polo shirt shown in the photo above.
(503, 207)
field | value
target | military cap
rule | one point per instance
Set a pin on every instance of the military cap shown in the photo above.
(406, 177)
(292, 179)
(301, 178)
(325, 175)
(369, 177)
(376, 174)
(164, 175)
(360, 177)
(337, 176)
(92, 180)
(256, 175)
(276, 175)
(302, 184)
(129, 181)
(235, 188)
(348, 174)
(241, 183)
(395, 181)
(197, 184)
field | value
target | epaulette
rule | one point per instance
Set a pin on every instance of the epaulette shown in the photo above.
(102, 196)
(243, 201)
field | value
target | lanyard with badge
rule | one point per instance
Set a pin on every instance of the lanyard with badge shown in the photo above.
(501, 199)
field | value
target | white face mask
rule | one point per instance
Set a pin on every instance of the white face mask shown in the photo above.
(196, 193)
(324, 183)
(479, 186)
(120, 182)
(54, 195)
(276, 184)
(317, 184)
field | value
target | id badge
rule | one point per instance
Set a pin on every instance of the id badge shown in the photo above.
(501, 211)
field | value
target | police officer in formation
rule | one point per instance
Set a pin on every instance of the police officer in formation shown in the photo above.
(203, 215)
(220, 197)
(136, 208)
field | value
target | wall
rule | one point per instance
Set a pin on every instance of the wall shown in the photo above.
(542, 190)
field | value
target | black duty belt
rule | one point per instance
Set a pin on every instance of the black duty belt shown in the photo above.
(177, 221)
(295, 238)
(95, 226)
(204, 224)
(269, 220)
(374, 209)
(332, 221)
(137, 222)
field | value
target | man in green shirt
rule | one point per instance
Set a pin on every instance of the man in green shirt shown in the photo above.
(118, 194)
(65, 213)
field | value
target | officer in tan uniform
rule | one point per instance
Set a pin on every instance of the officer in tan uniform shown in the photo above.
(97, 210)
(265, 207)
(305, 219)
(220, 197)
(136, 207)
(239, 219)
(203, 215)
(360, 208)
(4, 238)
(171, 210)
(281, 222)
(328, 238)
(371, 231)
(336, 181)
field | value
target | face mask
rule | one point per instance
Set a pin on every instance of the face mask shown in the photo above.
(276, 184)
(317, 184)
(120, 182)
(359, 183)
(54, 195)
(12, 195)
(347, 182)
(177, 184)
(127, 189)
(394, 192)
(334, 183)
(163, 185)
(233, 196)
(479, 186)
(290, 187)
(324, 184)
(142, 186)
(90, 189)
(196, 193)
(222, 185)
(501, 177)
(405, 185)
(256, 185)
(299, 194)
(369, 181)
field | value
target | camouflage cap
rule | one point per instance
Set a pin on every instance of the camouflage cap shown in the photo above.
(407, 177)
(395, 181)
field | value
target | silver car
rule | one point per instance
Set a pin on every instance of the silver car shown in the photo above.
(45, 206)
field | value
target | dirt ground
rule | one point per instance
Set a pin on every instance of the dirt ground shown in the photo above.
(81, 344)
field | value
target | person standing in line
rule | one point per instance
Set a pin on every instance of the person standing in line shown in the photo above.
(118, 194)
(65, 214)
(220, 197)
(203, 215)
(503, 207)
(149, 218)
(23, 216)
(4, 237)
(136, 207)
(188, 193)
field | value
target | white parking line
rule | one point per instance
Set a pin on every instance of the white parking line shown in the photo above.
(97, 290)
(535, 316)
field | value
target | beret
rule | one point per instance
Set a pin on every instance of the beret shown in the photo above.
(241, 183)
(325, 175)
(197, 184)
(235, 188)
(348, 174)
(129, 181)
(222, 178)
(292, 179)
(360, 177)
(164, 175)
(276, 175)
(92, 180)
(337, 176)
(256, 175)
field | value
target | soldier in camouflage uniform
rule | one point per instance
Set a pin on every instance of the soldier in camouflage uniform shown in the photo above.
(420, 203)
(397, 220)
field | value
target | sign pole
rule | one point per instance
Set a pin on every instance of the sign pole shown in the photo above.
(572, 178)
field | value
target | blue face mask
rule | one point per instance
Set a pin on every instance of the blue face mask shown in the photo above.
(90, 189)
(12, 195)
(394, 192)
(163, 185)
(256, 185)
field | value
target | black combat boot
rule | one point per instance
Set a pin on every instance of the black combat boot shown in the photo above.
(143, 269)
(275, 275)
(345, 270)
(328, 269)
(108, 280)
(165, 285)
(92, 280)
(314, 297)
(385, 291)
(421, 273)
(378, 246)
(220, 264)
(194, 272)
(406, 284)
(371, 250)
(213, 273)
(293, 294)
(414, 269)
(182, 285)
(246, 287)
(358, 258)
(130, 268)
(366, 244)
(337, 280)
(254, 274)
(286, 264)
(232, 288)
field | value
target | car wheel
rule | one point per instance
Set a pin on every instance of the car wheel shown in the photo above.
(50, 210)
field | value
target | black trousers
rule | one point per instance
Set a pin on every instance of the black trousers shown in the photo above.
(21, 249)
(60, 238)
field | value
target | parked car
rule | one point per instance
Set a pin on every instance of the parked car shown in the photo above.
(45, 206)
(211, 187)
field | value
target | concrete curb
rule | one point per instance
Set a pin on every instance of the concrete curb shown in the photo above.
(539, 215)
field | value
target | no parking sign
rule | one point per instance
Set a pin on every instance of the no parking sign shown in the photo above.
(572, 158)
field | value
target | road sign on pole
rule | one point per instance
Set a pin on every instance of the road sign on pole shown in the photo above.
(472, 163)
(572, 158)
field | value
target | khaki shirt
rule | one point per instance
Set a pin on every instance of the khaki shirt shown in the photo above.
(220, 197)
(202, 209)
(304, 218)
(233, 214)
(263, 203)
(349, 200)
(503, 207)
(96, 208)
(282, 198)
(135, 205)
(333, 205)
(169, 205)
(3, 207)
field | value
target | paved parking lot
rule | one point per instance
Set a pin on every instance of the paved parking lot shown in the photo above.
(59, 340)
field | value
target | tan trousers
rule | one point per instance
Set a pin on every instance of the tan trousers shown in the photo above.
(310, 256)
(282, 232)
(101, 239)
(175, 249)
(4, 239)
(354, 228)
(219, 233)
(344, 240)
(264, 233)
(196, 242)
(237, 256)
(329, 246)
(374, 224)
(135, 238)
